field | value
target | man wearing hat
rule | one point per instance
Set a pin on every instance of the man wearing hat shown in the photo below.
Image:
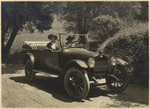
(52, 44)
(69, 41)
(81, 42)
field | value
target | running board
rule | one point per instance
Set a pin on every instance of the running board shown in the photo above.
(98, 84)
(46, 73)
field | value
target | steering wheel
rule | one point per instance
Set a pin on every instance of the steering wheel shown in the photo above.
(49, 49)
(75, 42)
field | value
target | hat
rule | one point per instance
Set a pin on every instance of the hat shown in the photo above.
(52, 35)
(70, 37)
(82, 39)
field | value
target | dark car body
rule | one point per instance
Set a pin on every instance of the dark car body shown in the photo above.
(60, 61)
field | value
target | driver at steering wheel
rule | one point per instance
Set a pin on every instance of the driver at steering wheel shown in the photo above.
(69, 41)
(81, 42)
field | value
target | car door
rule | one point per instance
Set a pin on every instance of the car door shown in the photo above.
(50, 59)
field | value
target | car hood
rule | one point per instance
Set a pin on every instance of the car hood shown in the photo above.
(80, 52)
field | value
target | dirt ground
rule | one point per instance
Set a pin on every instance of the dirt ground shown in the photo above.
(47, 92)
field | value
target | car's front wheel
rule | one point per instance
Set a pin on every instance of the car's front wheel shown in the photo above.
(29, 73)
(76, 83)
(120, 82)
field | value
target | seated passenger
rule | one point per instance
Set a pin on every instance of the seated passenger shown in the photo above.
(52, 45)
(69, 41)
(80, 43)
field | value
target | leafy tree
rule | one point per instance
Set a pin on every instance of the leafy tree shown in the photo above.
(36, 15)
(82, 17)
(78, 15)
(104, 26)
(144, 12)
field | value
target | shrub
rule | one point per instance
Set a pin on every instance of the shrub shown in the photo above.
(131, 44)
(105, 26)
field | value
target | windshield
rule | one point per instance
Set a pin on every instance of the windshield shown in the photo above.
(74, 40)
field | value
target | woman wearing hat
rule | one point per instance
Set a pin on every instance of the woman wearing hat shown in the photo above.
(69, 41)
(52, 44)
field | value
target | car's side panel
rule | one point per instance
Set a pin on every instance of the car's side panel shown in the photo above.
(48, 58)
(52, 59)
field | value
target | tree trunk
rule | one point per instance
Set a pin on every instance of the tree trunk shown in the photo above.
(79, 24)
(80, 21)
(85, 18)
(5, 50)
(4, 31)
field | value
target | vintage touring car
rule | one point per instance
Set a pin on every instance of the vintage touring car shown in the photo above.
(77, 66)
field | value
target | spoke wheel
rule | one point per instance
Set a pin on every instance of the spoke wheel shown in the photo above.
(76, 83)
(119, 84)
(29, 73)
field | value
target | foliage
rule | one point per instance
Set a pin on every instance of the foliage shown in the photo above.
(77, 15)
(80, 16)
(131, 44)
(32, 13)
(104, 26)
(36, 15)
(144, 12)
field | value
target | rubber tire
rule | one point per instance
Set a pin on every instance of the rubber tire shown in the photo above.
(121, 89)
(85, 77)
(28, 65)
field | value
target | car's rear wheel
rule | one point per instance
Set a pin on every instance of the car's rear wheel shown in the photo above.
(29, 73)
(76, 83)
(120, 84)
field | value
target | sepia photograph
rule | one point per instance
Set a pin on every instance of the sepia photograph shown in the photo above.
(75, 54)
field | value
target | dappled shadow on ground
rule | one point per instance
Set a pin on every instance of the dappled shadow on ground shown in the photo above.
(129, 100)
(12, 68)
(55, 87)
(98, 91)
(131, 97)
(50, 85)
(134, 94)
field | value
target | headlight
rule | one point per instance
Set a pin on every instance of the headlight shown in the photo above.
(91, 62)
(113, 61)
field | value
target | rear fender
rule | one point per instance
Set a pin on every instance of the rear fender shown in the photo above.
(29, 56)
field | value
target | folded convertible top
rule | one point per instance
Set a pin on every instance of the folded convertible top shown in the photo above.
(28, 45)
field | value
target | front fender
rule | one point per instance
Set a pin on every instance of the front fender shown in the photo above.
(77, 62)
(121, 62)
(126, 66)
(81, 63)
